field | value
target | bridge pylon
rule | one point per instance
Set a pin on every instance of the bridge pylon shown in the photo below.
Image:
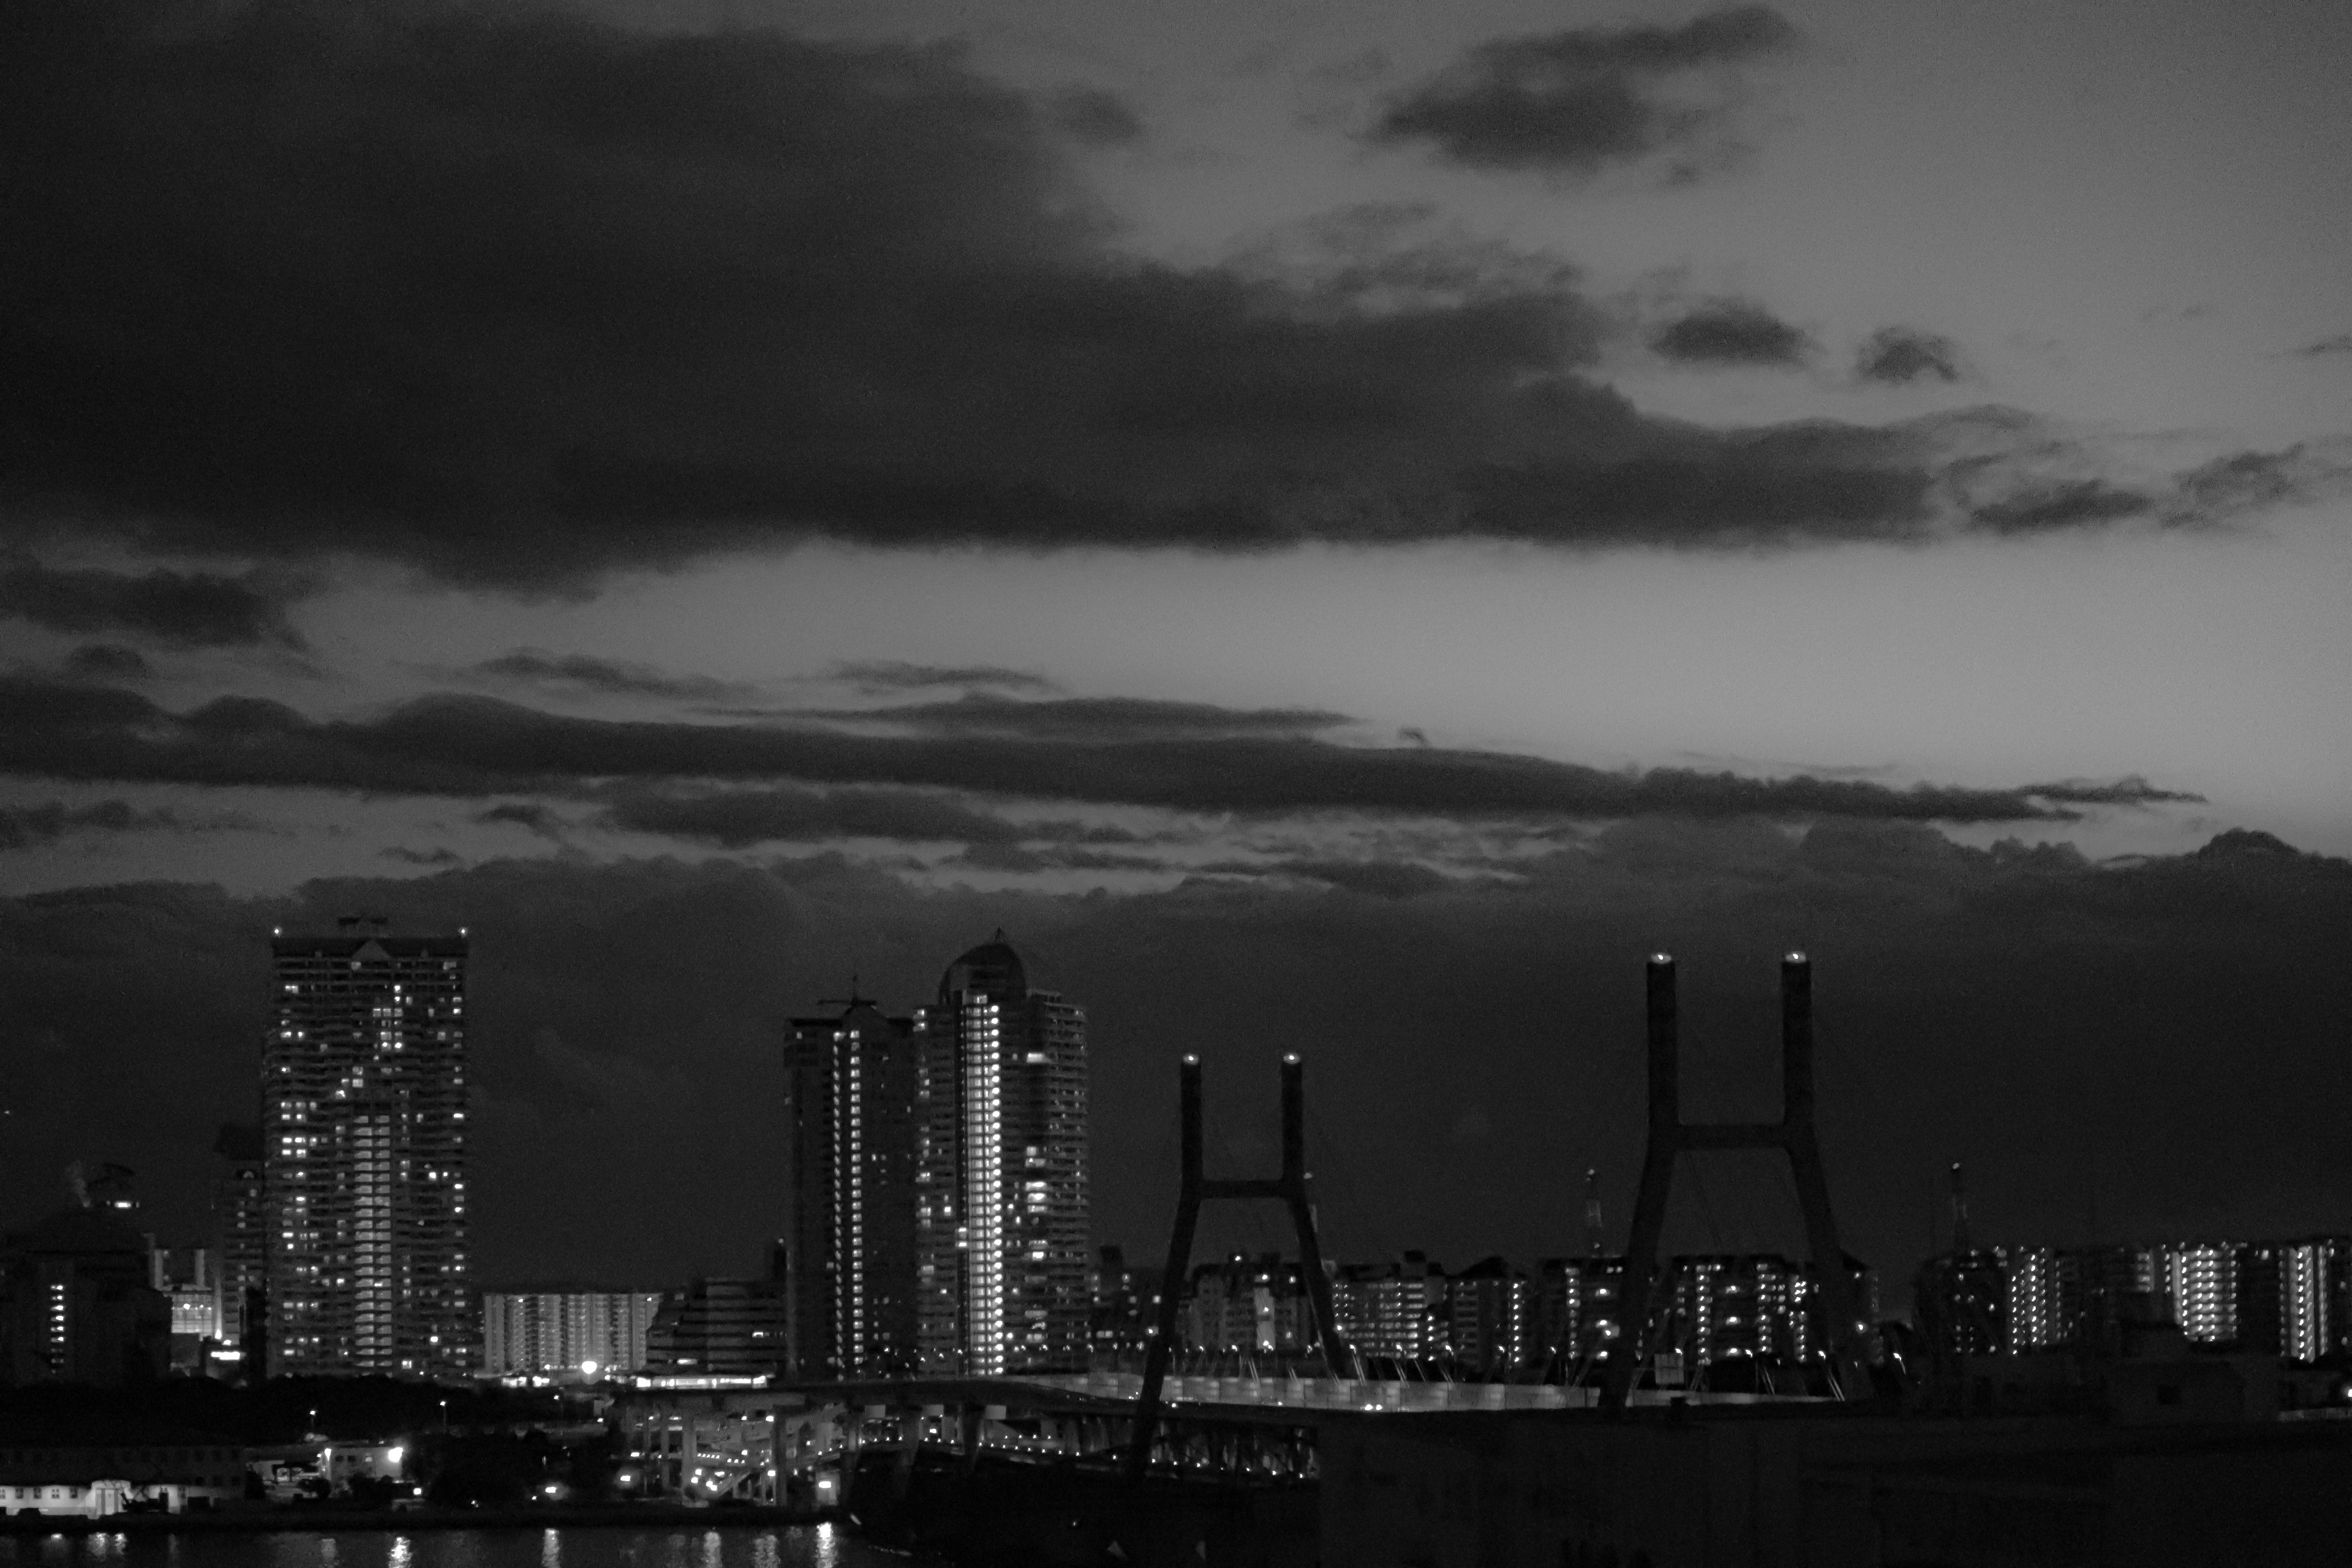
(1288, 1189)
(1670, 1137)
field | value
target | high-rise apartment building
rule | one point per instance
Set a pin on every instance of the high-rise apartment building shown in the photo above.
(859, 1097)
(363, 1104)
(1001, 1172)
(566, 1329)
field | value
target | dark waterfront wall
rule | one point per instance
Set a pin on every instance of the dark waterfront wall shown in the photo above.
(1828, 1492)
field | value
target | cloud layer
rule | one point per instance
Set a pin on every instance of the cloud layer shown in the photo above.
(1579, 100)
(187, 609)
(1183, 757)
(525, 299)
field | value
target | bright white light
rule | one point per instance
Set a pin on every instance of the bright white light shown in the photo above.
(588, 1369)
(391, 1455)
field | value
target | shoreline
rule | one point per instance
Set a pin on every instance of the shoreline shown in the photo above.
(650, 1516)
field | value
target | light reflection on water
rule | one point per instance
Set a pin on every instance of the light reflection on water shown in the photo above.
(743, 1546)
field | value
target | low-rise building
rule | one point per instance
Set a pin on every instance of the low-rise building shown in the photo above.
(82, 1481)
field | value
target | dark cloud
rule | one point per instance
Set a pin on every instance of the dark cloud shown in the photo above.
(1086, 718)
(524, 298)
(1900, 355)
(1038, 860)
(1092, 115)
(2233, 486)
(529, 815)
(2341, 343)
(2168, 1034)
(194, 609)
(1379, 879)
(2074, 503)
(23, 827)
(2011, 476)
(407, 857)
(896, 674)
(738, 817)
(1578, 100)
(2132, 790)
(1732, 331)
(586, 672)
(477, 746)
(109, 662)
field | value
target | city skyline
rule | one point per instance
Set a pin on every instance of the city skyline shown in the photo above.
(1340, 527)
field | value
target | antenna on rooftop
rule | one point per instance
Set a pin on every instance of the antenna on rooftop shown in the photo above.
(855, 999)
(1959, 1210)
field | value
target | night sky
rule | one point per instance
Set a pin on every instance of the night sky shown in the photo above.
(1339, 527)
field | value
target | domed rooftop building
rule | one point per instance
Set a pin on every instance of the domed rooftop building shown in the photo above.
(1004, 1223)
(991, 969)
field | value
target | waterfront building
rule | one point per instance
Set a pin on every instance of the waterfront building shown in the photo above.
(1735, 1306)
(76, 1303)
(1125, 1311)
(163, 1472)
(1962, 1301)
(241, 1224)
(1002, 1211)
(188, 1277)
(2312, 1278)
(1576, 1305)
(857, 1101)
(1391, 1311)
(363, 1095)
(1249, 1306)
(722, 1328)
(1491, 1319)
(2202, 1278)
(2287, 1298)
(566, 1329)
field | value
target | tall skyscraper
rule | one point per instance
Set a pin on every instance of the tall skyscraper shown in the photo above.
(859, 1100)
(1002, 1171)
(363, 1105)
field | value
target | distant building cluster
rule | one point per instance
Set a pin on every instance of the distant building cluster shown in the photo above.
(1491, 1320)
(2292, 1300)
